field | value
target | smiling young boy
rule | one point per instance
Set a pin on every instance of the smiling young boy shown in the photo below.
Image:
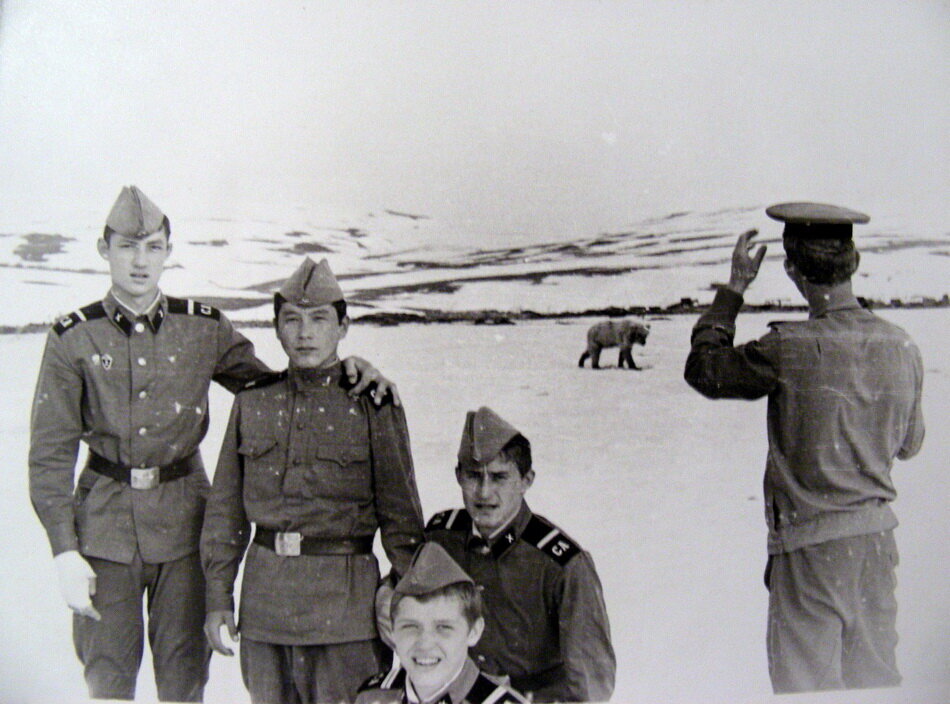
(317, 472)
(437, 616)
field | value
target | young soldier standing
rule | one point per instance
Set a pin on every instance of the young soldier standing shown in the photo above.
(129, 375)
(437, 616)
(317, 472)
(844, 390)
(546, 623)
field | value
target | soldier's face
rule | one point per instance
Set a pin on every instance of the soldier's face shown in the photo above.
(310, 335)
(432, 640)
(136, 265)
(492, 493)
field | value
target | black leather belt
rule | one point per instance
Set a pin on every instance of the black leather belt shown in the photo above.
(293, 544)
(141, 477)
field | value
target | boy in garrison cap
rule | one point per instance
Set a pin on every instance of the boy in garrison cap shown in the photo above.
(129, 376)
(437, 616)
(317, 472)
(546, 623)
(844, 390)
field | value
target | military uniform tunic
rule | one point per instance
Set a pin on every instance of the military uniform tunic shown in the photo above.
(844, 390)
(470, 686)
(135, 390)
(545, 619)
(300, 455)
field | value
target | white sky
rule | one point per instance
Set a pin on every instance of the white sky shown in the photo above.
(537, 119)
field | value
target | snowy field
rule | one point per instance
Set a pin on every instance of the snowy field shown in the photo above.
(662, 486)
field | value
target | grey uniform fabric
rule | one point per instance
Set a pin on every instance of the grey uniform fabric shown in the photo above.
(135, 391)
(844, 400)
(300, 455)
(546, 622)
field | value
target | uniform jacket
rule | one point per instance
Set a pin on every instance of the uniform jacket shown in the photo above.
(844, 399)
(136, 392)
(470, 687)
(545, 620)
(300, 455)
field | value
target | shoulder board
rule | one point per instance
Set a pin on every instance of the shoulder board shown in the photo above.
(265, 380)
(90, 312)
(549, 539)
(453, 519)
(393, 678)
(186, 306)
(486, 691)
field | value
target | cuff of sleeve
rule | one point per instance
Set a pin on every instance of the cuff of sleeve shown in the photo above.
(727, 302)
(218, 601)
(62, 537)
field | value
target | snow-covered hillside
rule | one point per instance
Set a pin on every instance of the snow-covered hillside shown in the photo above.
(391, 261)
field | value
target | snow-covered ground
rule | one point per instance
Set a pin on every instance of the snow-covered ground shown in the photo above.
(662, 486)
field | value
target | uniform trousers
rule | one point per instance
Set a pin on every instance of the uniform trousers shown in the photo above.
(111, 649)
(832, 615)
(308, 674)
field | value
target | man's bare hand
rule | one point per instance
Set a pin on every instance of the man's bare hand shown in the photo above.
(363, 374)
(77, 583)
(745, 265)
(213, 623)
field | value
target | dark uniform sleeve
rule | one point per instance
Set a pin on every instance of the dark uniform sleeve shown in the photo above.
(914, 438)
(717, 369)
(237, 363)
(55, 430)
(226, 530)
(589, 662)
(398, 509)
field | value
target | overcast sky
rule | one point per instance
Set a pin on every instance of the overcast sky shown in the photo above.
(532, 118)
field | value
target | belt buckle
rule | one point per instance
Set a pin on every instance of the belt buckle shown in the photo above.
(288, 544)
(144, 477)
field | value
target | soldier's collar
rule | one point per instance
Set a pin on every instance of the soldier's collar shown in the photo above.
(503, 539)
(311, 379)
(837, 299)
(454, 692)
(124, 318)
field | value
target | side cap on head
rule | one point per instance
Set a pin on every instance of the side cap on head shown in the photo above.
(134, 215)
(816, 220)
(431, 568)
(485, 435)
(311, 285)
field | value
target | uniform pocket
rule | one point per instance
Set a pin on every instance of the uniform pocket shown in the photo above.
(333, 471)
(263, 466)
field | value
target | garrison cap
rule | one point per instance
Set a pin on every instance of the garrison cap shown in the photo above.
(485, 435)
(816, 220)
(311, 285)
(431, 568)
(134, 215)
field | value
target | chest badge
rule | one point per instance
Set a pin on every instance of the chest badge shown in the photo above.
(106, 361)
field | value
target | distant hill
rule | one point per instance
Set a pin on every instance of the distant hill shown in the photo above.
(397, 266)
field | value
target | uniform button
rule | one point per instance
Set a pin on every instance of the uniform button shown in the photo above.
(141, 361)
(300, 425)
(143, 394)
(140, 327)
(142, 431)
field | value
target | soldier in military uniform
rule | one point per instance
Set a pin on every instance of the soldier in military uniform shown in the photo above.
(129, 375)
(317, 472)
(844, 399)
(437, 616)
(545, 623)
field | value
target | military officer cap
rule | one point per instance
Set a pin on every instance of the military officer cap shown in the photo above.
(431, 568)
(485, 435)
(311, 285)
(809, 221)
(134, 215)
